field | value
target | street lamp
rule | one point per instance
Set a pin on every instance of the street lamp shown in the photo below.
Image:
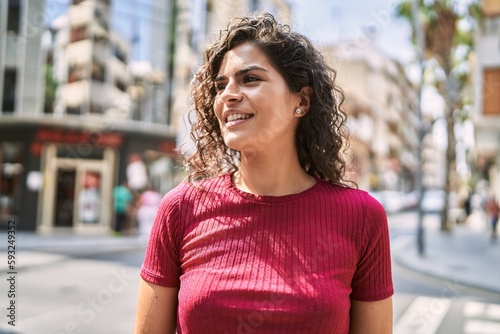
(421, 131)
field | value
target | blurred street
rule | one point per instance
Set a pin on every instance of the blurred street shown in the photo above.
(455, 286)
(69, 284)
(83, 284)
(93, 116)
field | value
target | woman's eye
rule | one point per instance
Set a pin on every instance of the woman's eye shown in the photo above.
(250, 79)
(220, 86)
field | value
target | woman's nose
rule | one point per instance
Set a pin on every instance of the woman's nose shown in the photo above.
(231, 93)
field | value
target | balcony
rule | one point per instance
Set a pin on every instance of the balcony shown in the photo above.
(81, 14)
(79, 52)
(491, 26)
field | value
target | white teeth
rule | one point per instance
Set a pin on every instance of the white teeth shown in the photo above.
(235, 117)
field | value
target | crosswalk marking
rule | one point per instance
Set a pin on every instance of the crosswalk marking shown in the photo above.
(481, 327)
(476, 309)
(491, 312)
(423, 316)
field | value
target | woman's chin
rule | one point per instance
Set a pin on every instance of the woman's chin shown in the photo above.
(238, 144)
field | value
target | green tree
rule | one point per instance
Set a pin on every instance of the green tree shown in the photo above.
(50, 90)
(447, 33)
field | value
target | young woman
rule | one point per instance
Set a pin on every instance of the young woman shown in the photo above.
(266, 237)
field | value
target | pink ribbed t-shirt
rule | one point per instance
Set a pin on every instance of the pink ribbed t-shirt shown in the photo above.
(263, 264)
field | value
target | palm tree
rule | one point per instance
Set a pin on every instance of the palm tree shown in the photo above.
(446, 49)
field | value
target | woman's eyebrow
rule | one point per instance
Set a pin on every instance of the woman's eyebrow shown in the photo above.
(241, 72)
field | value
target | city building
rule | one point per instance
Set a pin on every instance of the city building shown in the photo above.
(487, 96)
(92, 91)
(21, 93)
(70, 129)
(382, 117)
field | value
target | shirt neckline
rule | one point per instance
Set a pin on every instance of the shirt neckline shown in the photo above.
(268, 198)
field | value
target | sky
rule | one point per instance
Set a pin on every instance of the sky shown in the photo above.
(323, 21)
(326, 21)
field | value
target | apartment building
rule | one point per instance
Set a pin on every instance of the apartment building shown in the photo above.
(80, 142)
(99, 87)
(382, 117)
(487, 96)
(21, 94)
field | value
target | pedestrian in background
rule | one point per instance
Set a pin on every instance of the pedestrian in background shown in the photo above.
(137, 175)
(492, 209)
(122, 199)
(89, 199)
(266, 236)
(147, 206)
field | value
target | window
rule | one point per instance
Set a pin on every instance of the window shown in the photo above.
(76, 110)
(13, 16)
(491, 91)
(120, 85)
(9, 90)
(78, 34)
(98, 70)
(491, 7)
(96, 109)
(119, 54)
(76, 72)
(102, 19)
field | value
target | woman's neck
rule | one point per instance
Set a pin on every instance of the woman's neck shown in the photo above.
(278, 175)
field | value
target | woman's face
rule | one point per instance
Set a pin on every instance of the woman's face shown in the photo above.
(254, 106)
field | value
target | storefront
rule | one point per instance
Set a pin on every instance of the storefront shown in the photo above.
(77, 191)
(62, 179)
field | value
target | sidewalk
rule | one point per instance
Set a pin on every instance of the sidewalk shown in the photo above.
(465, 255)
(33, 249)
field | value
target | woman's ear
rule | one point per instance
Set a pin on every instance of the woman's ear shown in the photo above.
(305, 99)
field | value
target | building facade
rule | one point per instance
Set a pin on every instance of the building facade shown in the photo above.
(21, 93)
(382, 116)
(69, 129)
(93, 94)
(487, 96)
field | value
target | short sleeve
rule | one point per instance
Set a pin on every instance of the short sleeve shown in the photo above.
(161, 263)
(372, 280)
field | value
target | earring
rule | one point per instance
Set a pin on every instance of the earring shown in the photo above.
(298, 112)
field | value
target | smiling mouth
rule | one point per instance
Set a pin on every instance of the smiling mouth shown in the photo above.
(238, 117)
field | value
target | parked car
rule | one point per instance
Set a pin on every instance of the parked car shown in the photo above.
(392, 201)
(433, 201)
(411, 200)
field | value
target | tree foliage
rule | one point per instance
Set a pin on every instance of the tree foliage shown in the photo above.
(50, 90)
(447, 27)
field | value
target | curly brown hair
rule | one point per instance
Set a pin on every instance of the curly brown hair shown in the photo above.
(321, 134)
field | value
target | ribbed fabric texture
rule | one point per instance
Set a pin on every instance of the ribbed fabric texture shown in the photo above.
(264, 264)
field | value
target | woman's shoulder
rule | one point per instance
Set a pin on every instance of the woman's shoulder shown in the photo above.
(186, 190)
(346, 191)
(353, 196)
(183, 198)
